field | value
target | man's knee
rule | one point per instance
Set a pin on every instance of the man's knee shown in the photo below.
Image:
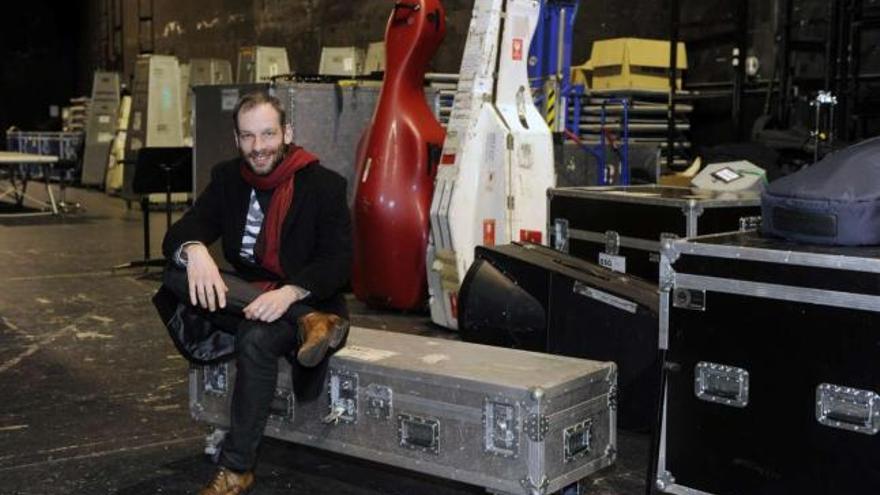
(254, 338)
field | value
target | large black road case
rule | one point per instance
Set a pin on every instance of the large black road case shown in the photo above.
(774, 367)
(511, 421)
(620, 227)
(587, 311)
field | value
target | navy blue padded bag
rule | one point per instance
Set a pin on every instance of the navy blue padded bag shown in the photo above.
(835, 201)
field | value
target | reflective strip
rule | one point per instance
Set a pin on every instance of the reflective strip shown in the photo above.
(630, 242)
(819, 297)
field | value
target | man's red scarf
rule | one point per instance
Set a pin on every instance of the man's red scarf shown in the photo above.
(280, 180)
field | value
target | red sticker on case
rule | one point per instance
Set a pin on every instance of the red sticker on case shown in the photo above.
(517, 48)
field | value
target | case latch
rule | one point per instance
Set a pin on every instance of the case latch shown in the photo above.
(612, 243)
(721, 384)
(418, 433)
(611, 258)
(577, 440)
(216, 379)
(282, 407)
(379, 400)
(500, 428)
(749, 223)
(848, 408)
(560, 235)
(343, 397)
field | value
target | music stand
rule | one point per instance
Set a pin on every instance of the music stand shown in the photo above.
(159, 170)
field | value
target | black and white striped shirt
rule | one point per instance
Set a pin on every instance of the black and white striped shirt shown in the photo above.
(252, 227)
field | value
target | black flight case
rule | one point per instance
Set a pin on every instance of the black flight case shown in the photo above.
(773, 359)
(620, 227)
(585, 311)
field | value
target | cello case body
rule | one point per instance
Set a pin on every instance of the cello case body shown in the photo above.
(396, 165)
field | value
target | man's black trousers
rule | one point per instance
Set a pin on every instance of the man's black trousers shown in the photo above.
(258, 345)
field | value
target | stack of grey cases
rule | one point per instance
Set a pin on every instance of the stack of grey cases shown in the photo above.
(511, 421)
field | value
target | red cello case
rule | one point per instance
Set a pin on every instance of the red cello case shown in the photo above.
(396, 165)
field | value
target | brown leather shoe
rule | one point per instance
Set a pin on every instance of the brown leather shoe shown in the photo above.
(228, 482)
(319, 332)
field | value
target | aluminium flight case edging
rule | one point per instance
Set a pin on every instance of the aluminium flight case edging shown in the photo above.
(716, 199)
(664, 481)
(681, 289)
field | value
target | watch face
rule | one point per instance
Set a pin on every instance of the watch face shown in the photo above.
(726, 174)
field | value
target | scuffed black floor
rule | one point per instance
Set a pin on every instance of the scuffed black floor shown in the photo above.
(93, 396)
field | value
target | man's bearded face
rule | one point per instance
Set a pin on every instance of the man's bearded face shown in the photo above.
(262, 140)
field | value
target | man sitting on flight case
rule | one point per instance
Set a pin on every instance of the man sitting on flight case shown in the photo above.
(286, 229)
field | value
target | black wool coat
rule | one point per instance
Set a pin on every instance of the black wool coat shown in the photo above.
(316, 253)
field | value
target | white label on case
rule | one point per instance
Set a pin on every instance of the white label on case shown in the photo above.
(365, 353)
(612, 262)
(604, 297)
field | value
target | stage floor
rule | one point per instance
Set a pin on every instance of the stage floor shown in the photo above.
(94, 395)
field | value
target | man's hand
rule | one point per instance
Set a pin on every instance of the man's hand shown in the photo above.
(269, 306)
(205, 284)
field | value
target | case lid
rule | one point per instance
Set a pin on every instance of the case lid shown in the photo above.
(451, 359)
(750, 245)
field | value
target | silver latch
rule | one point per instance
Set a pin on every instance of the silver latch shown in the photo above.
(848, 408)
(577, 440)
(281, 409)
(419, 433)
(500, 428)
(521, 101)
(667, 247)
(721, 384)
(560, 235)
(379, 400)
(343, 389)
(216, 379)
(612, 395)
(667, 276)
(612, 243)
(749, 223)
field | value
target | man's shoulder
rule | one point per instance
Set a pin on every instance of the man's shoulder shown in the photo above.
(226, 168)
(318, 174)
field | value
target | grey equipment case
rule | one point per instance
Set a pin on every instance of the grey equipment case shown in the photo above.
(511, 421)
